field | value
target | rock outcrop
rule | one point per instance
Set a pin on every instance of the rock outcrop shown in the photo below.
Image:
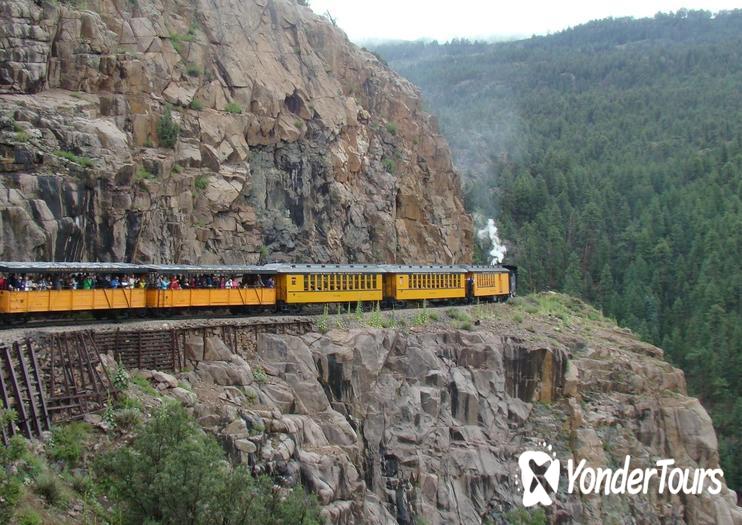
(398, 425)
(293, 143)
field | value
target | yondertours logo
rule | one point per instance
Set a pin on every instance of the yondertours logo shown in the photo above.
(540, 471)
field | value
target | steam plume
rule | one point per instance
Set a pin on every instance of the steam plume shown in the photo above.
(498, 249)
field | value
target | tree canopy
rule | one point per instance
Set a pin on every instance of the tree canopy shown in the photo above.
(611, 157)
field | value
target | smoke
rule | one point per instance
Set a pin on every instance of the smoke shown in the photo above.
(498, 248)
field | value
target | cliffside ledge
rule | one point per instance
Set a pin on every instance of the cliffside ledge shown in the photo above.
(425, 419)
(293, 143)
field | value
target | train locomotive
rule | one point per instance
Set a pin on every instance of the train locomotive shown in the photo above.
(113, 292)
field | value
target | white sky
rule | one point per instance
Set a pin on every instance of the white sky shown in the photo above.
(365, 20)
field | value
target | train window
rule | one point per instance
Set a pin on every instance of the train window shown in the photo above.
(293, 281)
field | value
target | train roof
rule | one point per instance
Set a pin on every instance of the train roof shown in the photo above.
(323, 268)
(70, 267)
(284, 268)
(479, 268)
(421, 268)
(227, 269)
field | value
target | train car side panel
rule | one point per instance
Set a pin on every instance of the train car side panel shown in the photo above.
(38, 301)
(491, 284)
(211, 297)
(410, 287)
(329, 288)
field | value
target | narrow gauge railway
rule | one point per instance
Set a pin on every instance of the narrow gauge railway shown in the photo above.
(47, 290)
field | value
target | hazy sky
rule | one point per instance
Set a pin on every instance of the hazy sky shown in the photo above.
(366, 20)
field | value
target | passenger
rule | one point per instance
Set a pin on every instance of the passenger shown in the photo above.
(13, 282)
(228, 283)
(235, 283)
(57, 282)
(164, 283)
(174, 283)
(87, 283)
(270, 283)
(28, 284)
(115, 283)
(3, 282)
(141, 283)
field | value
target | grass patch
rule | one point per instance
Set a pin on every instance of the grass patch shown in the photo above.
(144, 385)
(389, 165)
(259, 375)
(197, 104)
(392, 128)
(68, 442)
(142, 174)
(51, 488)
(177, 168)
(85, 162)
(201, 182)
(233, 107)
(193, 70)
(22, 136)
(167, 129)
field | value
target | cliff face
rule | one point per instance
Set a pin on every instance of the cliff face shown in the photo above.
(388, 426)
(293, 143)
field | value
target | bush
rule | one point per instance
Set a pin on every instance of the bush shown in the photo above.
(193, 70)
(389, 165)
(29, 517)
(391, 127)
(127, 418)
(175, 473)
(233, 107)
(144, 385)
(142, 174)
(201, 182)
(22, 136)
(197, 104)
(324, 321)
(85, 162)
(167, 129)
(50, 487)
(259, 375)
(68, 442)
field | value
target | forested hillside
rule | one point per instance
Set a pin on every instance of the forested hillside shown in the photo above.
(611, 157)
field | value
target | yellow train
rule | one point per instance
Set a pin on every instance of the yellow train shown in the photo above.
(38, 288)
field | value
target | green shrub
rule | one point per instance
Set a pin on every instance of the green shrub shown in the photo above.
(197, 104)
(142, 174)
(177, 168)
(389, 165)
(120, 378)
(68, 442)
(29, 517)
(391, 127)
(259, 375)
(173, 472)
(17, 465)
(193, 70)
(129, 402)
(233, 107)
(85, 162)
(22, 136)
(127, 418)
(522, 516)
(167, 129)
(201, 182)
(50, 487)
(144, 385)
(323, 323)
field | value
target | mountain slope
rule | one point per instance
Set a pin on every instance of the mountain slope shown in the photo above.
(283, 140)
(611, 156)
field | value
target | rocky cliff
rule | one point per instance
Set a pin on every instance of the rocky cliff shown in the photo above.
(292, 143)
(424, 421)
